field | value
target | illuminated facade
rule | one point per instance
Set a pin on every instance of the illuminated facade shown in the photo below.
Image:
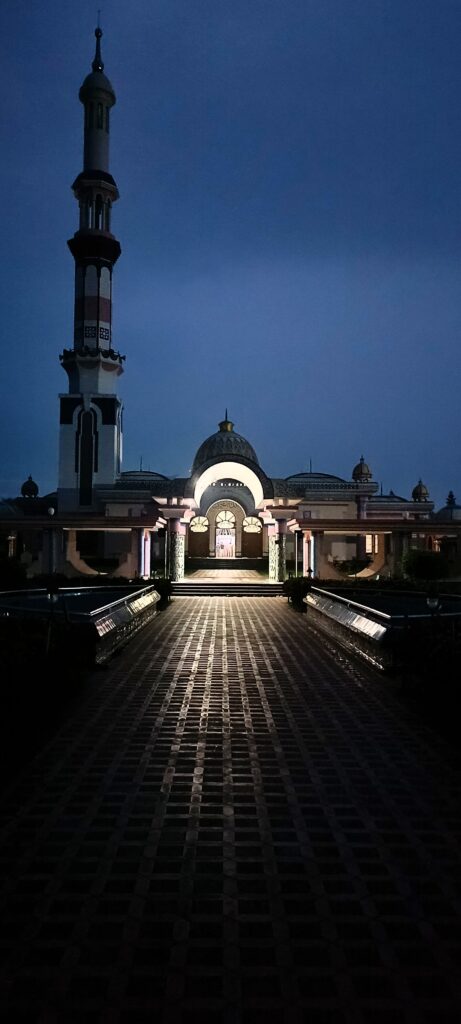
(229, 511)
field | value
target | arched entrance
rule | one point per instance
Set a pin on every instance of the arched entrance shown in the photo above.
(229, 524)
(225, 517)
(225, 534)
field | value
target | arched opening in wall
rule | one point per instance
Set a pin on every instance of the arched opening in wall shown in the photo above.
(198, 537)
(225, 534)
(252, 537)
(98, 213)
(101, 551)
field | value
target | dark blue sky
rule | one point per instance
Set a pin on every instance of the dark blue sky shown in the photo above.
(290, 224)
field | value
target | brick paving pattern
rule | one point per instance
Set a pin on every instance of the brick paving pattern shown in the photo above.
(235, 823)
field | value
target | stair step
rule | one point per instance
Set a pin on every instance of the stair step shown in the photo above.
(212, 589)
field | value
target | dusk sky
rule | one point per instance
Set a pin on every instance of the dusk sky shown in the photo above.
(290, 223)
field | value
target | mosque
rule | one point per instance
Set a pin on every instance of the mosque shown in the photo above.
(229, 511)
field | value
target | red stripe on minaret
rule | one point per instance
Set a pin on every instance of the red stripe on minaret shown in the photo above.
(97, 309)
(92, 308)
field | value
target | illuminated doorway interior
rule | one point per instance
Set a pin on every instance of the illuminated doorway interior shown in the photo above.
(225, 535)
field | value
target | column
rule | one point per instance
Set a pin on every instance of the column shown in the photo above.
(272, 538)
(318, 562)
(362, 501)
(281, 549)
(144, 553)
(399, 545)
(177, 531)
(306, 552)
(53, 551)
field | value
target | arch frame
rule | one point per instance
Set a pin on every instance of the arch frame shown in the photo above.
(235, 471)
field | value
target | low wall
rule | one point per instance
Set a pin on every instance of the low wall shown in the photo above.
(82, 627)
(408, 637)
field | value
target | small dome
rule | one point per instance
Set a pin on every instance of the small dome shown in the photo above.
(29, 488)
(96, 81)
(224, 444)
(361, 473)
(420, 492)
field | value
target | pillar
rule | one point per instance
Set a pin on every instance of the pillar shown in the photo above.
(272, 537)
(318, 562)
(399, 545)
(177, 549)
(144, 553)
(306, 552)
(281, 548)
(362, 502)
(50, 552)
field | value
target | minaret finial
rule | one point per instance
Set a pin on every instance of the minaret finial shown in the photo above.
(225, 415)
(98, 63)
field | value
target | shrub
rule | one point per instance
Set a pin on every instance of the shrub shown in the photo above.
(424, 565)
(296, 587)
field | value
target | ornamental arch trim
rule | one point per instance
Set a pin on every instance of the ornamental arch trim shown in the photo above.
(231, 471)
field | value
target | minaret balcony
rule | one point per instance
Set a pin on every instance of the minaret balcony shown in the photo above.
(92, 369)
(88, 357)
(94, 244)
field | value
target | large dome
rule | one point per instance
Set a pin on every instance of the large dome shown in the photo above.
(224, 444)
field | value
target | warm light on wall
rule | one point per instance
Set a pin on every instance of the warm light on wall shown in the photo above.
(226, 471)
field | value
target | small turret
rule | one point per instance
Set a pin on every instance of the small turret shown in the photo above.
(29, 488)
(420, 492)
(361, 473)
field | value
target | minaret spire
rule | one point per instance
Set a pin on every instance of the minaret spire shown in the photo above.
(98, 63)
(90, 451)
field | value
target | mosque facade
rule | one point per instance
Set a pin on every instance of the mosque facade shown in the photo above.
(229, 511)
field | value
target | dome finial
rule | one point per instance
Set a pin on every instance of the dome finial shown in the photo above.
(226, 425)
(98, 63)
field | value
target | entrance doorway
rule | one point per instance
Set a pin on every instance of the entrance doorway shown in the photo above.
(225, 542)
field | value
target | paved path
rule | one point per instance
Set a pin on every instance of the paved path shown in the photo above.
(234, 824)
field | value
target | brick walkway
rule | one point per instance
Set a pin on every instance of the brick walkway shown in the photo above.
(234, 824)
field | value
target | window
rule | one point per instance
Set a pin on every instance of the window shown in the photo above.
(251, 524)
(107, 119)
(225, 519)
(98, 217)
(100, 116)
(199, 524)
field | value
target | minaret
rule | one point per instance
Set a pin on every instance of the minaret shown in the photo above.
(91, 413)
